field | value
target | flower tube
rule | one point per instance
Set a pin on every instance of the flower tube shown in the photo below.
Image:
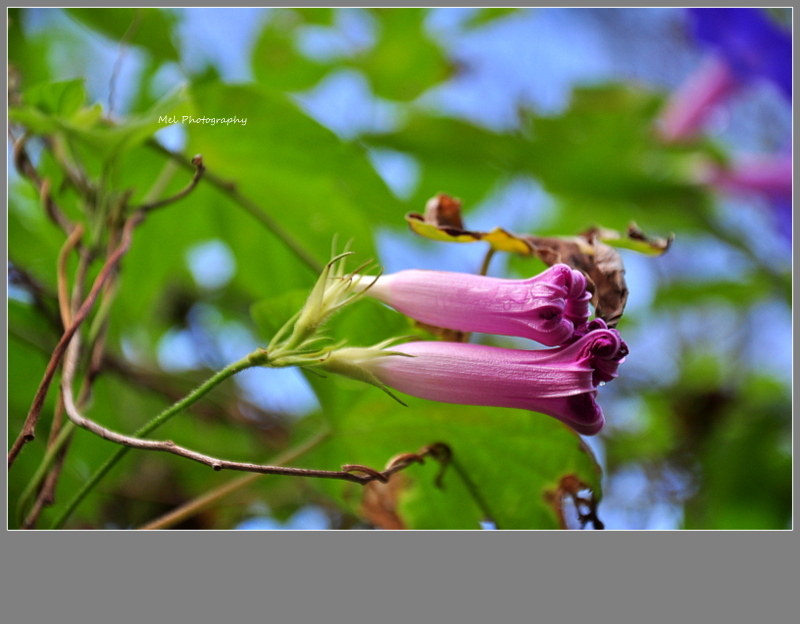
(560, 382)
(547, 308)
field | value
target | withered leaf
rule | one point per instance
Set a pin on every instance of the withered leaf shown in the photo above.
(571, 487)
(601, 264)
(634, 239)
(379, 502)
(442, 222)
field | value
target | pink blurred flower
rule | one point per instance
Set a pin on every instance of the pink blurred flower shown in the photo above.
(695, 100)
(767, 176)
(547, 308)
(770, 176)
(560, 382)
(744, 47)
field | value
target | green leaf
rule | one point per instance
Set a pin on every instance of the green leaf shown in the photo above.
(405, 62)
(747, 464)
(110, 141)
(486, 15)
(278, 64)
(147, 27)
(599, 159)
(515, 459)
(456, 158)
(59, 99)
(316, 15)
(741, 293)
(27, 53)
(270, 315)
(300, 173)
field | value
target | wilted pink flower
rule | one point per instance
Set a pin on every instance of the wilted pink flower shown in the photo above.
(546, 308)
(560, 382)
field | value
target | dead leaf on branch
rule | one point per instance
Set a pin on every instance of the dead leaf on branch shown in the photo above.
(592, 253)
(570, 487)
(600, 263)
(379, 502)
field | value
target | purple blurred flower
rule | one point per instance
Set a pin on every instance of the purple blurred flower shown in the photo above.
(745, 47)
(547, 308)
(560, 382)
(752, 46)
(767, 176)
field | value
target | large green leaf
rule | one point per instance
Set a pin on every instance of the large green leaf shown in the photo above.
(514, 459)
(302, 175)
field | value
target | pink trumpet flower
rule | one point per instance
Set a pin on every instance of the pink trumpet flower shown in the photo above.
(560, 382)
(547, 308)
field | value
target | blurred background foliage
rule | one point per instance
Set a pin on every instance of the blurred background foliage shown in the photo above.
(540, 121)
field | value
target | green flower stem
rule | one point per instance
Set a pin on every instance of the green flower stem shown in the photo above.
(41, 471)
(257, 358)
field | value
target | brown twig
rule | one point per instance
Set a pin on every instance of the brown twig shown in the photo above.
(200, 503)
(487, 259)
(52, 210)
(28, 430)
(348, 472)
(25, 167)
(149, 381)
(75, 175)
(46, 496)
(200, 169)
(63, 288)
(43, 299)
(586, 508)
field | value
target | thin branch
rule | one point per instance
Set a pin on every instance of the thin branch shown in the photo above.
(74, 174)
(229, 188)
(43, 299)
(28, 430)
(46, 496)
(123, 46)
(152, 425)
(200, 503)
(63, 289)
(154, 382)
(26, 169)
(486, 260)
(200, 169)
(351, 472)
(39, 476)
(52, 210)
(46, 476)
(473, 491)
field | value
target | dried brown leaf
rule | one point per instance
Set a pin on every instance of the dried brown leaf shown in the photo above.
(379, 502)
(572, 487)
